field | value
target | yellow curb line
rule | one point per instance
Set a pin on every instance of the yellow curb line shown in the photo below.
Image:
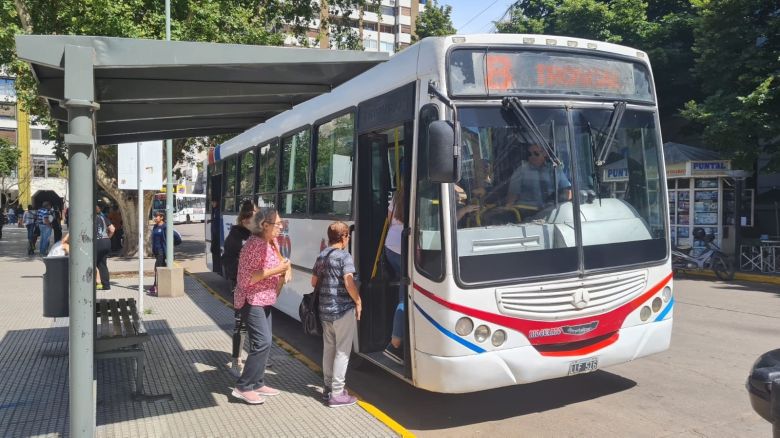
(368, 407)
(740, 276)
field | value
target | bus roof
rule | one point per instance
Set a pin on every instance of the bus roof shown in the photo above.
(425, 58)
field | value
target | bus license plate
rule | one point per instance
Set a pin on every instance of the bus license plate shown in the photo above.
(583, 366)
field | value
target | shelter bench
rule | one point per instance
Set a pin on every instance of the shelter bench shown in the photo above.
(120, 333)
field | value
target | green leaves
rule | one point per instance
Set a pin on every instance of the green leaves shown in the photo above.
(9, 158)
(435, 20)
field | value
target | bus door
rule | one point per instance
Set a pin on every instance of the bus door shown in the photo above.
(382, 160)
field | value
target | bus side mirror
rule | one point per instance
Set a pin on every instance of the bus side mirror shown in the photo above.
(443, 152)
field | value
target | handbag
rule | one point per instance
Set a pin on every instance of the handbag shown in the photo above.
(309, 309)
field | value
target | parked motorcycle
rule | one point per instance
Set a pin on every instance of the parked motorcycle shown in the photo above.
(711, 258)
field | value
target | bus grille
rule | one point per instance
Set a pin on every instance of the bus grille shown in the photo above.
(551, 301)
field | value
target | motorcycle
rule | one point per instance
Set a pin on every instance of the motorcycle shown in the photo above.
(711, 258)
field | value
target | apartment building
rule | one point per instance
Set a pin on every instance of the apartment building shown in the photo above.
(385, 27)
(40, 175)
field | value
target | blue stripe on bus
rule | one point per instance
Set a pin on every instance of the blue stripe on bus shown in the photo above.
(455, 337)
(668, 309)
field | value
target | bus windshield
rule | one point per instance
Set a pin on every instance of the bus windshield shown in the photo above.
(519, 214)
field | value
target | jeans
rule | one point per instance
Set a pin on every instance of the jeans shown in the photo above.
(398, 317)
(45, 236)
(30, 238)
(258, 330)
(337, 338)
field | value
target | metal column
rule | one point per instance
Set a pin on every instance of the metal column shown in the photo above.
(79, 102)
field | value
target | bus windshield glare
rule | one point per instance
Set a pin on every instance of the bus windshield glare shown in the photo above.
(518, 215)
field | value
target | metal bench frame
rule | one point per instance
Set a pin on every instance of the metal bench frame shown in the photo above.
(120, 333)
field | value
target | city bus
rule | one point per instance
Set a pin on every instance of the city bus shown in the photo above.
(187, 207)
(520, 262)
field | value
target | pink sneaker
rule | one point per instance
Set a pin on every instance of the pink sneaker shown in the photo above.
(267, 391)
(251, 397)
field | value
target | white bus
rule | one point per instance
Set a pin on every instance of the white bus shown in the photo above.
(187, 208)
(519, 261)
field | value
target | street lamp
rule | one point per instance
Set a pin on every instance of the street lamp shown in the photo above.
(739, 177)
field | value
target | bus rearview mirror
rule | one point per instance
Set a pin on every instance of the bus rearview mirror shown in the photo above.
(443, 153)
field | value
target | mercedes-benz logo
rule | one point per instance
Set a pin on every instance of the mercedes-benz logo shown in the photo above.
(580, 298)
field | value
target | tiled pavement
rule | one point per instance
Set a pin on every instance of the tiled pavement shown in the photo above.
(186, 357)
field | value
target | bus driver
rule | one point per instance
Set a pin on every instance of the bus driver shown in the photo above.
(531, 184)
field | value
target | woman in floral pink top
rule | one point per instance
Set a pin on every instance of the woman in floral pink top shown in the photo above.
(261, 273)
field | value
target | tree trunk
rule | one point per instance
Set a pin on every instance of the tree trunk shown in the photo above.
(128, 207)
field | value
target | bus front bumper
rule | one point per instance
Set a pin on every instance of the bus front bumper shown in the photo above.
(494, 369)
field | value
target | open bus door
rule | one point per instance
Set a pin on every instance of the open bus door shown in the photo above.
(381, 156)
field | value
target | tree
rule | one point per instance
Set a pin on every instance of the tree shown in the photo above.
(9, 159)
(738, 65)
(662, 28)
(433, 21)
(226, 21)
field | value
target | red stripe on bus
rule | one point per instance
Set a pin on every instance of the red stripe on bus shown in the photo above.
(607, 323)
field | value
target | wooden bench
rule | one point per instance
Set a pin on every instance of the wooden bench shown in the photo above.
(120, 333)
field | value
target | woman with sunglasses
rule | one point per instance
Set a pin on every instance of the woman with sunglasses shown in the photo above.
(261, 273)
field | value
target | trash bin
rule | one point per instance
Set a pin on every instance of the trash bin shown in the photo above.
(55, 287)
(763, 386)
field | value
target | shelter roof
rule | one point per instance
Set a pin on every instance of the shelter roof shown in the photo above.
(151, 89)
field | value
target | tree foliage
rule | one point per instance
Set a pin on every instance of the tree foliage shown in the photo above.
(738, 65)
(9, 159)
(435, 20)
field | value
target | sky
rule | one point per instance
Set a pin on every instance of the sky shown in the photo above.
(476, 16)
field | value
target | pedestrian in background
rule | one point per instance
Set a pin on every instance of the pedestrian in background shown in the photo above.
(29, 223)
(19, 215)
(56, 225)
(234, 242)
(44, 220)
(103, 232)
(216, 237)
(159, 247)
(340, 307)
(262, 272)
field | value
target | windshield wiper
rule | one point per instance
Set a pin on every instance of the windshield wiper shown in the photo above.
(517, 107)
(597, 167)
(609, 136)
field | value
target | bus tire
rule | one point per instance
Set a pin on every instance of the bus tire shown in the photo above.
(357, 362)
(188, 219)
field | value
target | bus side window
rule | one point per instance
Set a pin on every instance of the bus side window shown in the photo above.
(429, 250)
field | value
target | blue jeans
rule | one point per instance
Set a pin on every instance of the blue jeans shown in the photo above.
(398, 318)
(45, 235)
(259, 332)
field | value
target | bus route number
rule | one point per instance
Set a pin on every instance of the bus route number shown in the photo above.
(582, 366)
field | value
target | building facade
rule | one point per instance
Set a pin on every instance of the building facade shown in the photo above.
(385, 27)
(39, 176)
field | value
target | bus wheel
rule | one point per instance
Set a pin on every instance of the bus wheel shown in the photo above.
(188, 219)
(357, 362)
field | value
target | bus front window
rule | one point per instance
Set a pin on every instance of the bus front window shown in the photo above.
(509, 188)
(624, 192)
(526, 202)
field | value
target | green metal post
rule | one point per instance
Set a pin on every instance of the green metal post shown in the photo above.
(169, 167)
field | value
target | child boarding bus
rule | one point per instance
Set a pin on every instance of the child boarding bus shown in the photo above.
(519, 261)
(186, 207)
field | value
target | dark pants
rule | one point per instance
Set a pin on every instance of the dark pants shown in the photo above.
(102, 249)
(259, 331)
(57, 229)
(239, 327)
(159, 261)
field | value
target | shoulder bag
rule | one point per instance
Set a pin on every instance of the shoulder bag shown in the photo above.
(309, 309)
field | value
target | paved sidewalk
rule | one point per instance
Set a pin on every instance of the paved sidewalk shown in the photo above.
(186, 357)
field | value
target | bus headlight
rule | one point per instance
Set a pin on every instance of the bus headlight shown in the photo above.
(645, 313)
(464, 326)
(656, 304)
(667, 294)
(498, 338)
(481, 333)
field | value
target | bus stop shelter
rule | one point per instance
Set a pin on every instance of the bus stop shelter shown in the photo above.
(104, 91)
